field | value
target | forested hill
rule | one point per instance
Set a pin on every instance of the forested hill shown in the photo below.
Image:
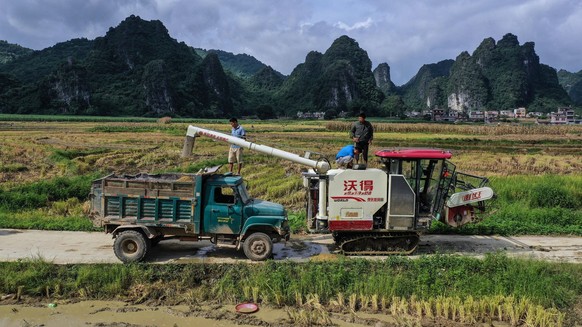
(339, 79)
(138, 69)
(9, 52)
(135, 69)
(572, 83)
(497, 75)
(241, 64)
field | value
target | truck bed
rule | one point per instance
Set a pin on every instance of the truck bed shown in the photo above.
(144, 198)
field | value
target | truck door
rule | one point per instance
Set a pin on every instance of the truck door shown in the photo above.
(223, 211)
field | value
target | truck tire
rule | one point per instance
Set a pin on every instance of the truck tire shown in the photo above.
(258, 246)
(131, 246)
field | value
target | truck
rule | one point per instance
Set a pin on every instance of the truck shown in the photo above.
(144, 209)
(378, 211)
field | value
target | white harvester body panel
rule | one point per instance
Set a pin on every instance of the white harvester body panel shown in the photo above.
(354, 196)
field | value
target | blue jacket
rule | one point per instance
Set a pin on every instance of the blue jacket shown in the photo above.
(347, 150)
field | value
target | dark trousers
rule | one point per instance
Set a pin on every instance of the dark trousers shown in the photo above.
(364, 147)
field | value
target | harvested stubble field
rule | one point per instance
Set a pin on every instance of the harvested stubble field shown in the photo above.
(46, 168)
(38, 155)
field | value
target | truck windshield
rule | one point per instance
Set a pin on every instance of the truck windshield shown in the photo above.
(242, 191)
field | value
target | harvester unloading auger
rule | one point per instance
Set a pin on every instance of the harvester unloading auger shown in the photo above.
(379, 211)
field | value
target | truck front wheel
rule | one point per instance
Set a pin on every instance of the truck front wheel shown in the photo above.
(131, 246)
(258, 246)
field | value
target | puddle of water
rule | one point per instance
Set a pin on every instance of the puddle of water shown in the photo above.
(9, 232)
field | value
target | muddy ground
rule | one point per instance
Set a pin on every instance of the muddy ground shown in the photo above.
(82, 247)
(120, 314)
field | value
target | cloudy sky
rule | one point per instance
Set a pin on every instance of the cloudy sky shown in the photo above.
(280, 33)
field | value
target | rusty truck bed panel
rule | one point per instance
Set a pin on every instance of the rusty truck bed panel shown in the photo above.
(146, 199)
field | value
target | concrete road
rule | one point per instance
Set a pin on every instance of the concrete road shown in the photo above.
(82, 247)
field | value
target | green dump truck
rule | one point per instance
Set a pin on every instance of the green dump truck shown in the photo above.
(142, 210)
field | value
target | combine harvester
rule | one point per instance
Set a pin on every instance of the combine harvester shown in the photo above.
(378, 211)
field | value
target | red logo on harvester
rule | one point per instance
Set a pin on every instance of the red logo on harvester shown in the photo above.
(355, 187)
(350, 185)
(472, 196)
(367, 185)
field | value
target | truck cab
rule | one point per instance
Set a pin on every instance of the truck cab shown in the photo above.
(230, 210)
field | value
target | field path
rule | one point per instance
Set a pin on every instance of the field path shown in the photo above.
(82, 247)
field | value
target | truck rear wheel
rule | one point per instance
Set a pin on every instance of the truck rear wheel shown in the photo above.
(131, 246)
(258, 246)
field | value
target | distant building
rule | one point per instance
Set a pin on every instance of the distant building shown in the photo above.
(476, 115)
(412, 114)
(519, 112)
(569, 112)
(565, 115)
(437, 114)
(492, 114)
(535, 114)
(506, 114)
(310, 115)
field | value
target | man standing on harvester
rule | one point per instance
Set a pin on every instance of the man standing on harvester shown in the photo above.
(235, 151)
(362, 134)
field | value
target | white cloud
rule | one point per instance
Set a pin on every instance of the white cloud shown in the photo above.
(357, 26)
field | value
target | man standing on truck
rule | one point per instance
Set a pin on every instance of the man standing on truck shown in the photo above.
(235, 151)
(362, 134)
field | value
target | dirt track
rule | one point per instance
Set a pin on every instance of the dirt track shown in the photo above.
(81, 247)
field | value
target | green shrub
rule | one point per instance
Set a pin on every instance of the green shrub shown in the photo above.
(548, 196)
(297, 222)
(40, 194)
(69, 207)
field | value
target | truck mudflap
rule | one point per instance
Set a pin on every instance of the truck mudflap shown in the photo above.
(285, 230)
(284, 234)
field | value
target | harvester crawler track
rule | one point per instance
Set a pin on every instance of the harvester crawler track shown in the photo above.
(378, 243)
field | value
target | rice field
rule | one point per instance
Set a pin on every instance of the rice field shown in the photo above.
(47, 149)
(47, 164)
(463, 290)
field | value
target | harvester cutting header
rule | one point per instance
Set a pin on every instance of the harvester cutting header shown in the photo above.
(379, 211)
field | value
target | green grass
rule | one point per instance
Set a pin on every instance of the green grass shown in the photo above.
(12, 168)
(39, 219)
(535, 205)
(547, 284)
(41, 194)
(60, 155)
(54, 204)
